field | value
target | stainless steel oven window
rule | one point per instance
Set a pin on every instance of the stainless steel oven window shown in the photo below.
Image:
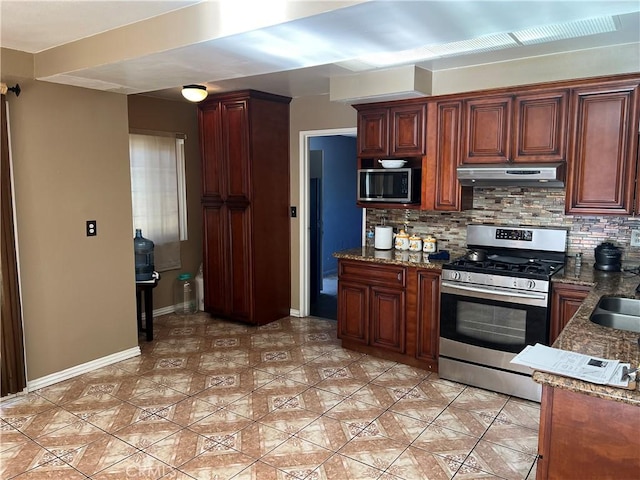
(491, 323)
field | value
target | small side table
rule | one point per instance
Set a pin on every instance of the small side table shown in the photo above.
(146, 287)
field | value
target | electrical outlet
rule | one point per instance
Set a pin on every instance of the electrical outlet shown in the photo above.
(92, 228)
(635, 238)
(294, 212)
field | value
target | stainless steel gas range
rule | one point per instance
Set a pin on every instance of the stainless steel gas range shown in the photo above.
(494, 302)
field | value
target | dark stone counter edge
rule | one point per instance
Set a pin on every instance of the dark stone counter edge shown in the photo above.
(583, 336)
(391, 257)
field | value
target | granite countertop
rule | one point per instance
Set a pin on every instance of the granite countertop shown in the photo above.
(392, 257)
(582, 336)
(579, 335)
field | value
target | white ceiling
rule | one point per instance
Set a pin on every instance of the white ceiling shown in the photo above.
(286, 47)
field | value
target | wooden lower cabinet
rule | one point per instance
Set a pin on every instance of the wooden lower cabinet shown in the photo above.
(587, 437)
(389, 311)
(565, 302)
(387, 319)
(353, 311)
(428, 316)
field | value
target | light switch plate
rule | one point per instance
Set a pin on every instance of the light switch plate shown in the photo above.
(635, 238)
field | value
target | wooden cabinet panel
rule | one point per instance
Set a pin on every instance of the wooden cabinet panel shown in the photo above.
(353, 311)
(428, 313)
(373, 132)
(587, 437)
(565, 301)
(214, 264)
(407, 125)
(388, 318)
(235, 142)
(487, 131)
(373, 274)
(239, 255)
(540, 127)
(210, 148)
(441, 190)
(603, 150)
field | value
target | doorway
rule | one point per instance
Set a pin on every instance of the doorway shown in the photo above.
(332, 221)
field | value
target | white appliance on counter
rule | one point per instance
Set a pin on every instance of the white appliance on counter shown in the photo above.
(494, 302)
(383, 239)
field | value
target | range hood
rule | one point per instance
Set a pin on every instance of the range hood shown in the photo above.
(517, 175)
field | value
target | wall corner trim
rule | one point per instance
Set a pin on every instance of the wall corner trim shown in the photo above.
(68, 373)
(294, 312)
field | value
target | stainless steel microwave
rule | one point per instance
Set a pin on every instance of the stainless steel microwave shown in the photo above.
(389, 185)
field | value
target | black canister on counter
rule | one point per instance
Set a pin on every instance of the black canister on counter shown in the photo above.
(608, 257)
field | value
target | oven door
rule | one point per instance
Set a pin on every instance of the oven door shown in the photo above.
(493, 318)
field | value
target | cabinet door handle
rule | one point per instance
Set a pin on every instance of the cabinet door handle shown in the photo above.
(399, 276)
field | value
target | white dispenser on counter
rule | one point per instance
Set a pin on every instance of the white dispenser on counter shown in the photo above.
(383, 237)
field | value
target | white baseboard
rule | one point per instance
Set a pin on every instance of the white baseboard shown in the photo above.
(163, 311)
(81, 369)
(160, 311)
(294, 312)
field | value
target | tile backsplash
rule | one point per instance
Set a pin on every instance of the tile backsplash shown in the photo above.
(516, 206)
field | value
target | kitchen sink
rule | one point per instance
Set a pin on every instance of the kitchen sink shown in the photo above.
(624, 306)
(618, 312)
(630, 323)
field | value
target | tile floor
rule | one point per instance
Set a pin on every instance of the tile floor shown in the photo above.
(209, 399)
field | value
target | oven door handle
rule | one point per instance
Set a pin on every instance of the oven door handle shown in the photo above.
(511, 293)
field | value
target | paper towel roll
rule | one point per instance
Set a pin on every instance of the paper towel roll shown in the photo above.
(384, 238)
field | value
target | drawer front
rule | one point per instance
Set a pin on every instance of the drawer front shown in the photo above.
(372, 273)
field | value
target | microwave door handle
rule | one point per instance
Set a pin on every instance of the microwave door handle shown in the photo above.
(493, 292)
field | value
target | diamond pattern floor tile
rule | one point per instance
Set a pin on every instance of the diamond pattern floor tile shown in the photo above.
(210, 398)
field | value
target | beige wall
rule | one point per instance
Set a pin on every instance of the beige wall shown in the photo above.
(562, 66)
(147, 113)
(309, 113)
(71, 164)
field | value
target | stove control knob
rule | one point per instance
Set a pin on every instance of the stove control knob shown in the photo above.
(455, 275)
(531, 284)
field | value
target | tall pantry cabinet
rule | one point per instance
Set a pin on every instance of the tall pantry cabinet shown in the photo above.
(244, 138)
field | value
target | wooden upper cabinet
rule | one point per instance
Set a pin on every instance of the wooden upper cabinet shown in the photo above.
(397, 131)
(525, 127)
(235, 143)
(487, 132)
(440, 187)
(602, 156)
(540, 127)
(373, 132)
(407, 131)
(210, 147)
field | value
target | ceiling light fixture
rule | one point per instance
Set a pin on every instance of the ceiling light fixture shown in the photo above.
(194, 93)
